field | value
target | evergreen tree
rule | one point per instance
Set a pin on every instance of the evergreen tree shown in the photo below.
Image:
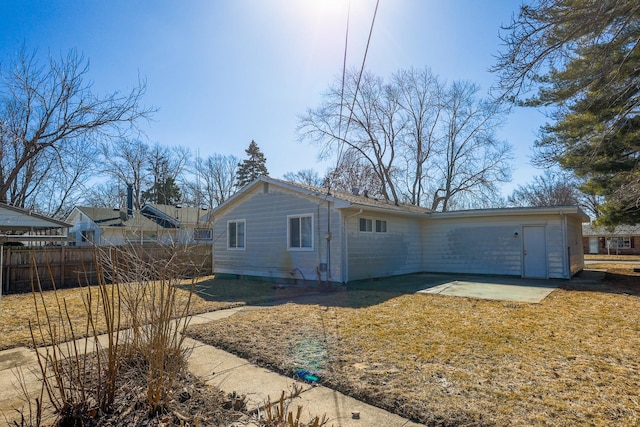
(582, 56)
(253, 167)
(164, 192)
(164, 189)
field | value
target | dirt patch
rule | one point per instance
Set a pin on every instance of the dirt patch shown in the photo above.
(571, 360)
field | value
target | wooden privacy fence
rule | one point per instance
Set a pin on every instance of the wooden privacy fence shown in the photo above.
(68, 266)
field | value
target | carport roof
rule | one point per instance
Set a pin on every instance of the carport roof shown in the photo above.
(13, 219)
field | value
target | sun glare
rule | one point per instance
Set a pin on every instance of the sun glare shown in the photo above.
(324, 7)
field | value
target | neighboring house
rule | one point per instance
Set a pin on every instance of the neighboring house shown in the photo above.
(280, 230)
(105, 227)
(18, 226)
(620, 240)
(185, 224)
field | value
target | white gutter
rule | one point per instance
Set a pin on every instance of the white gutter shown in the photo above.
(573, 210)
(345, 255)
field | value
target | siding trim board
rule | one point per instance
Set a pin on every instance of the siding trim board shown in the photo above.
(488, 241)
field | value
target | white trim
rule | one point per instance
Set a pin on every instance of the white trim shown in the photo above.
(236, 248)
(371, 222)
(313, 241)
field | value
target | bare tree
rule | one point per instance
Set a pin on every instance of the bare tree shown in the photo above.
(556, 188)
(425, 143)
(549, 189)
(215, 179)
(354, 172)
(472, 161)
(47, 109)
(127, 162)
(62, 178)
(106, 195)
(421, 101)
(305, 176)
(369, 117)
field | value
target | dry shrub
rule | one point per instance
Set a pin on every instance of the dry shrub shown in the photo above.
(279, 414)
(79, 376)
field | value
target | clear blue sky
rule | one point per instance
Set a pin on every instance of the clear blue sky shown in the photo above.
(225, 72)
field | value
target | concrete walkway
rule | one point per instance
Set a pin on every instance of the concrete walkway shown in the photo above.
(222, 370)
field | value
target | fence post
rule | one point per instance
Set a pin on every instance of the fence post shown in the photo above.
(8, 256)
(62, 264)
(1, 269)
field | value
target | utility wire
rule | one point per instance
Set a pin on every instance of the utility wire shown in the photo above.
(344, 68)
(355, 95)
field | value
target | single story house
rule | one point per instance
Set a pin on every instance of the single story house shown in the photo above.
(153, 223)
(184, 223)
(281, 230)
(620, 240)
(111, 227)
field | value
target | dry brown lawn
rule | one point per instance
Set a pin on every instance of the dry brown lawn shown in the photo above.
(570, 360)
(17, 311)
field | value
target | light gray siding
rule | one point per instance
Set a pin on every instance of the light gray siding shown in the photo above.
(474, 245)
(574, 242)
(488, 245)
(381, 254)
(266, 250)
(557, 263)
(81, 223)
(476, 241)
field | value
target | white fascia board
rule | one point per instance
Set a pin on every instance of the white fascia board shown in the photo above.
(476, 213)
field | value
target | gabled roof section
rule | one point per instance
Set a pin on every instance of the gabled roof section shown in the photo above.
(106, 217)
(174, 216)
(20, 220)
(341, 199)
(590, 230)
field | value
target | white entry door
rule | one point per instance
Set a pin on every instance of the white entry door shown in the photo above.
(593, 245)
(534, 251)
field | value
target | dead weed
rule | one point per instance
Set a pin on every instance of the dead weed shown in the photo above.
(16, 311)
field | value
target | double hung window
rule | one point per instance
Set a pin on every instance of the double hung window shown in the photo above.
(236, 234)
(300, 232)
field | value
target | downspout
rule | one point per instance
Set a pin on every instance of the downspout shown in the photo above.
(345, 256)
(567, 264)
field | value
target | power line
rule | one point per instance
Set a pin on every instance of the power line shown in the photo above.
(355, 95)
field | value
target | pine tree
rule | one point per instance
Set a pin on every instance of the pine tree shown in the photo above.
(164, 189)
(253, 167)
(582, 58)
(164, 192)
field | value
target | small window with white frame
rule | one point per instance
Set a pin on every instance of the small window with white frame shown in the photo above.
(300, 232)
(619, 242)
(366, 225)
(202, 234)
(236, 234)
